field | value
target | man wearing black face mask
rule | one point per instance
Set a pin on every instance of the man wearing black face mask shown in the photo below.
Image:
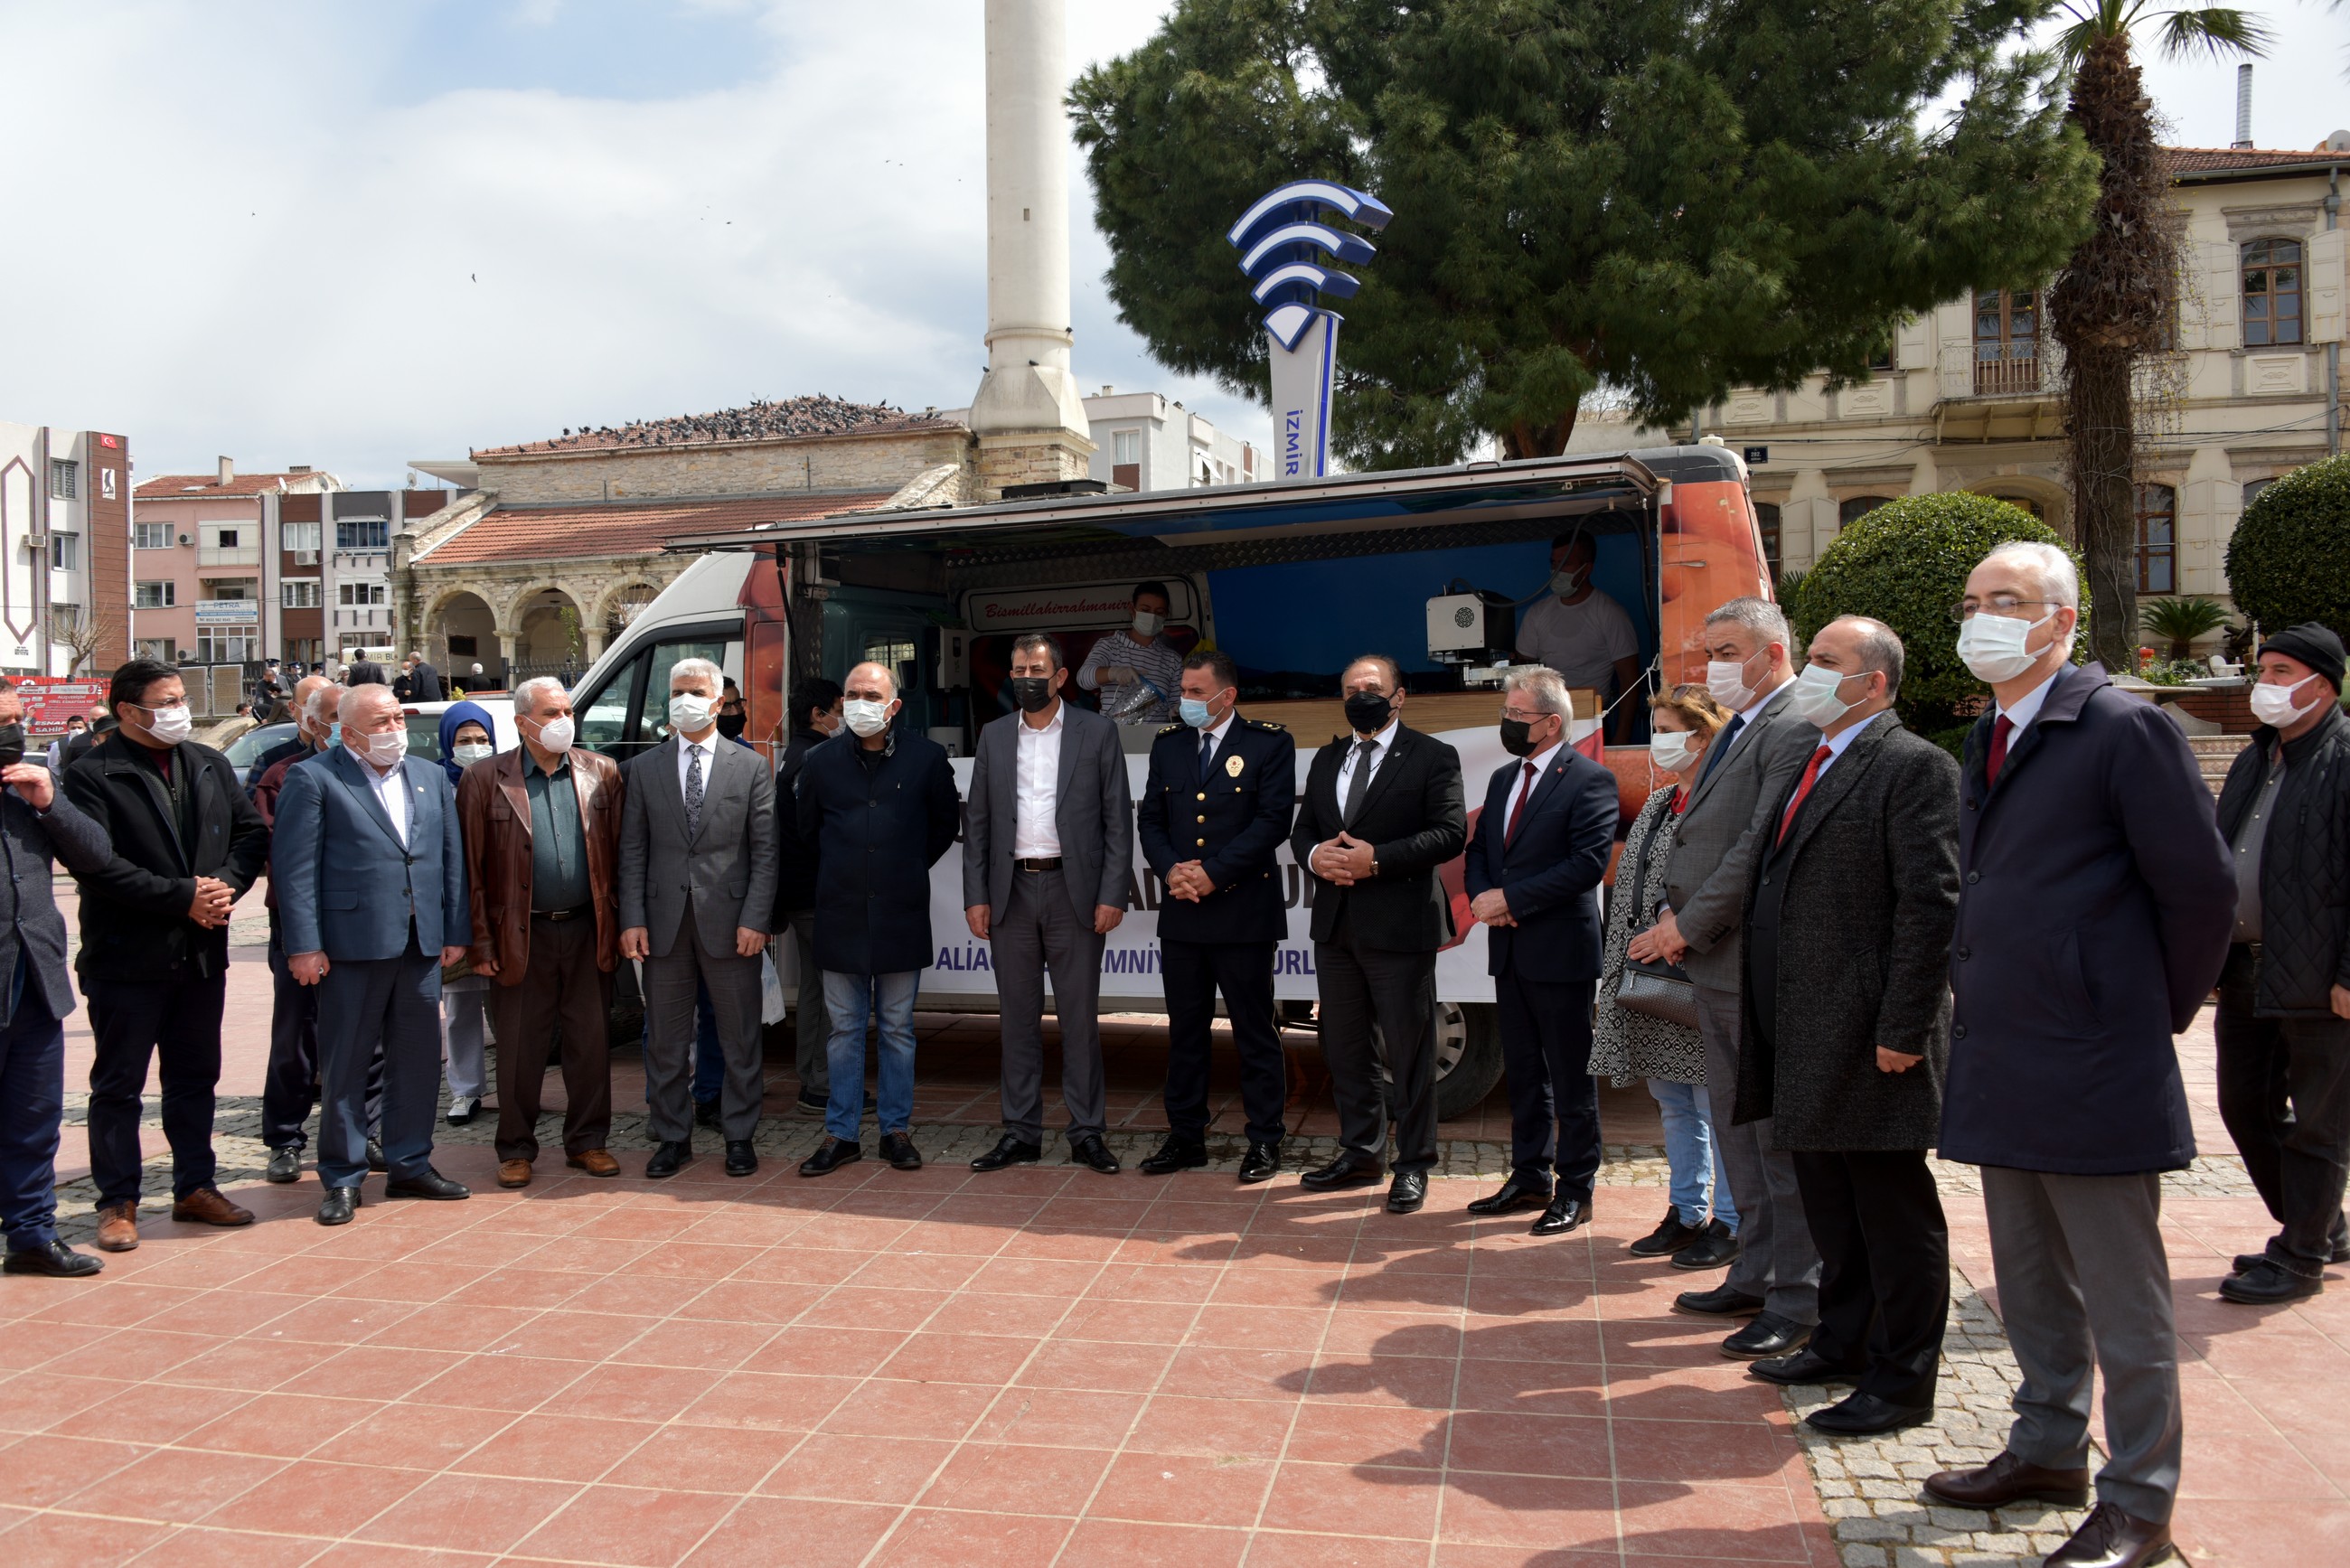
(1047, 857)
(732, 717)
(1381, 811)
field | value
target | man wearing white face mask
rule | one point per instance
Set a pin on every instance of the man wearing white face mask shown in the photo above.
(697, 890)
(2283, 1024)
(2096, 900)
(1137, 670)
(1579, 631)
(371, 893)
(154, 941)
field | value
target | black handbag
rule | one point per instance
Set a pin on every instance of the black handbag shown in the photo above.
(1653, 989)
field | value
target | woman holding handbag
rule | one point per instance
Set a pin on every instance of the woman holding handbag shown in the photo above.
(1645, 1026)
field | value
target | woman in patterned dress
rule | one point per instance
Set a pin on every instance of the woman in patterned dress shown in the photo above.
(1671, 1056)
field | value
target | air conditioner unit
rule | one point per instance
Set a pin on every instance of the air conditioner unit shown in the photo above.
(306, 557)
(185, 540)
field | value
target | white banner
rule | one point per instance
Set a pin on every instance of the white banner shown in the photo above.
(1082, 607)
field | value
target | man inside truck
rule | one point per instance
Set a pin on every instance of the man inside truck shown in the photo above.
(1581, 632)
(1136, 669)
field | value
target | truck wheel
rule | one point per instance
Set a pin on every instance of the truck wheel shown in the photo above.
(1468, 1057)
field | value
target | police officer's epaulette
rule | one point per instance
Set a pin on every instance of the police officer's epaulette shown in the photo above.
(1267, 725)
(1175, 728)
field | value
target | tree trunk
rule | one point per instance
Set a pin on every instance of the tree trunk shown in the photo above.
(1526, 439)
(2103, 452)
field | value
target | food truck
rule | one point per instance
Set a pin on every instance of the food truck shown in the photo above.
(1294, 580)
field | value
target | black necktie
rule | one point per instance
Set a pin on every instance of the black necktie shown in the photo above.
(1206, 751)
(1364, 751)
(1721, 745)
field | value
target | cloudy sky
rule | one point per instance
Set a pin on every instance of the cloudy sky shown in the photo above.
(351, 235)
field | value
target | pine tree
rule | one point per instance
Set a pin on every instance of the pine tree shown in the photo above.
(1666, 196)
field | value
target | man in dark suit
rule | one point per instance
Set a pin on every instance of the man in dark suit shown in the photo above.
(1847, 998)
(299, 746)
(366, 671)
(1775, 1277)
(1215, 808)
(1532, 876)
(370, 879)
(1380, 813)
(187, 844)
(37, 823)
(697, 884)
(1047, 857)
(880, 809)
(2095, 905)
(424, 681)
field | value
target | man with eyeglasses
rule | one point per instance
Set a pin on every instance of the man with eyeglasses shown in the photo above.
(2095, 901)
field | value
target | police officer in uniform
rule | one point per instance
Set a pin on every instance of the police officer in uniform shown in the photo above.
(1215, 808)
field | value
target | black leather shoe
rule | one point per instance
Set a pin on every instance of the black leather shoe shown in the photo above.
(1716, 1248)
(1175, 1154)
(1804, 1367)
(2338, 1253)
(670, 1157)
(431, 1184)
(57, 1260)
(706, 1113)
(338, 1205)
(2006, 1480)
(833, 1153)
(742, 1159)
(1769, 1334)
(2109, 1538)
(1861, 1415)
(898, 1150)
(1518, 1192)
(1718, 1302)
(1346, 1170)
(1406, 1192)
(2268, 1283)
(285, 1165)
(375, 1157)
(1564, 1214)
(1669, 1236)
(1093, 1155)
(1261, 1163)
(1009, 1150)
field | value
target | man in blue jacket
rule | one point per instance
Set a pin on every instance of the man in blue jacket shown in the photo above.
(1533, 874)
(879, 810)
(2096, 900)
(371, 896)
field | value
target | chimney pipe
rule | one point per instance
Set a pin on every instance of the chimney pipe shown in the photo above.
(2244, 105)
(227, 472)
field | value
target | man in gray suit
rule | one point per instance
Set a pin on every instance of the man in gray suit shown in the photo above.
(697, 883)
(1724, 830)
(1047, 856)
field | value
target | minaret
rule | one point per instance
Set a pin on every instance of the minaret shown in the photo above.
(1029, 418)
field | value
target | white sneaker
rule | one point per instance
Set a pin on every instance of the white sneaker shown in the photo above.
(462, 1109)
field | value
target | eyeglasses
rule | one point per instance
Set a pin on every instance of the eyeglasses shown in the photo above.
(1998, 604)
(1524, 717)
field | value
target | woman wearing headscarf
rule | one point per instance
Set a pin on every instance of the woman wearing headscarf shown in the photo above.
(468, 735)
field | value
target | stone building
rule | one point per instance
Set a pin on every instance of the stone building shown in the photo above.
(1971, 398)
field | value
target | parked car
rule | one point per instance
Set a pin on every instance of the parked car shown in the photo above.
(248, 748)
(424, 724)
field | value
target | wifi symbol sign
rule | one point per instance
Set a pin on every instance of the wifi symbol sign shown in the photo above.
(1282, 241)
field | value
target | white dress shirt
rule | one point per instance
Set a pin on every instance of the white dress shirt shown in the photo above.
(1036, 789)
(708, 747)
(1381, 744)
(390, 787)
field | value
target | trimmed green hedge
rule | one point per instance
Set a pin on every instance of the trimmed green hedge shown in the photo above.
(1906, 564)
(2290, 559)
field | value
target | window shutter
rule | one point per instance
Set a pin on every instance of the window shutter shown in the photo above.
(2325, 272)
(2222, 281)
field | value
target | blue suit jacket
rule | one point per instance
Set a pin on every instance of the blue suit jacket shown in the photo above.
(1551, 870)
(346, 885)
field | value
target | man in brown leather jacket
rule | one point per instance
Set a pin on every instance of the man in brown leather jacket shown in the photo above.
(542, 827)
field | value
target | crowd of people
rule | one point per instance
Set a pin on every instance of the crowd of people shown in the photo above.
(1831, 949)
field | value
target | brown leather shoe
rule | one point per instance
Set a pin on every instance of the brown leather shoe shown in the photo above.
(2109, 1538)
(595, 1162)
(514, 1173)
(118, 1228)
(205, 1206)
(2006, 1480)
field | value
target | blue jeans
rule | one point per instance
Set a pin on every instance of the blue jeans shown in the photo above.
(32, 1105)
(1690, 1154)
(850, 1000)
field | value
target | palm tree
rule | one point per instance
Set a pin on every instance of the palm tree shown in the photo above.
(2112, 304)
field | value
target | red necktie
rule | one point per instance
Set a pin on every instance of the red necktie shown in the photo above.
(1811, 778)
(1997, 758)
(1518, 806)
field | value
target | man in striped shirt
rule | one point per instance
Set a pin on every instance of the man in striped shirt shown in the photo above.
(1136, 671)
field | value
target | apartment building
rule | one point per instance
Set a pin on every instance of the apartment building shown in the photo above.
(65, 510)
(1143, 442)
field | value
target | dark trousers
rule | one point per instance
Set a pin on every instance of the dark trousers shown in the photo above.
(1193, 972)
(290, 1088)
(560, 989)
(812, 1041)
(1363, 987)
(2284, 1094)
(32, 1107)
(673, 986)
(174, 1021)
(1040, 932)
(366, 1007)
(1884, 1268)
(1546, 1063)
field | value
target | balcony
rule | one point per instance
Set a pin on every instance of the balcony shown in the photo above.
(2015, 373)
(1998, 392)
(232, 556)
